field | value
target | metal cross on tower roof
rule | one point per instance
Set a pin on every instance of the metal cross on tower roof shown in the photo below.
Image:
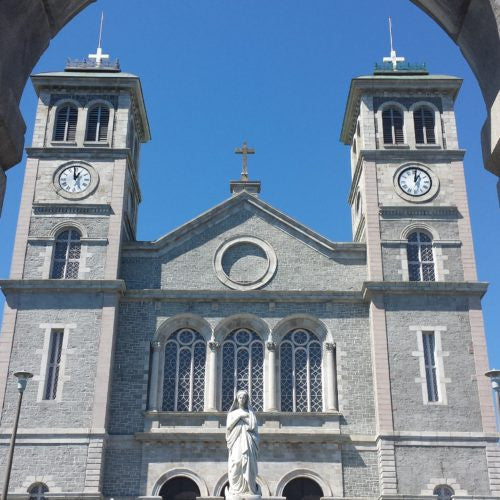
(244, 150)
(394, 59)
(99, 56)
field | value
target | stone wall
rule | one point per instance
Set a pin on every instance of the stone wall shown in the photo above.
(460, 409)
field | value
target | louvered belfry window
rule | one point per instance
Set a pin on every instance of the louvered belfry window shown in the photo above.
(423, 119)
(66, 118)
(67, 255)
(392, 124)
(97, 124)
(420, 257)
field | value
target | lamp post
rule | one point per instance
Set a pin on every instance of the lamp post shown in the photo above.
(494, 376)
(22, 380)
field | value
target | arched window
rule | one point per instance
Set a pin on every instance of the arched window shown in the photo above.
(67, 255)
(392, 124)
(184, 371)
(243, 368)
(179, 488)
(420, 257)
(443, 492)
(423, 120)
(302, 488)
(300, 372)
(66, 118)
(37, 491)
(97, 124)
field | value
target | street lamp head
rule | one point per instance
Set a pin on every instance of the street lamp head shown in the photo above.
(494, 375)
(22, 380)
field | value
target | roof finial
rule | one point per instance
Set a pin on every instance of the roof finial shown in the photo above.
(393, 58)
(244, 150)
(99, 56)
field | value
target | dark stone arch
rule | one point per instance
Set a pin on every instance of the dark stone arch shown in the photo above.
(302, 488)
(179, 488)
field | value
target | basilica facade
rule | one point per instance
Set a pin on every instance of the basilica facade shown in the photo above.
(364, 360)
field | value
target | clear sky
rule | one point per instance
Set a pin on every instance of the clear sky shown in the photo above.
(275, 73)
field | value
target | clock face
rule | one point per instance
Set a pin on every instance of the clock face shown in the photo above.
(414, 181)
(74, 179)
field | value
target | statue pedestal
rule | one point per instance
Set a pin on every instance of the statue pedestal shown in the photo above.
(231, 496)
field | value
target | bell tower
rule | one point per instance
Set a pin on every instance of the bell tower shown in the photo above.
(79, 204)
(409, 206)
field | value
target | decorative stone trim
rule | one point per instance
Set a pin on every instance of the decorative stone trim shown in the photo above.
(493, 463)
(271, 346)
(439, 355)
(448, 481)
(30, 480)
(265, 277)
(387, 468)
(214, 346)
(44, 352)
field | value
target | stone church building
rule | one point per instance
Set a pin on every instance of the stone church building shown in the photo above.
(364, 360)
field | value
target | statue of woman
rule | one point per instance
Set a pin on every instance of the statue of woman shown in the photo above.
(242, 439)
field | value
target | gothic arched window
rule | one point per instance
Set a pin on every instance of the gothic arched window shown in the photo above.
(67, 253)
(443, 492)
(66, 118)
(37, 491)
(243, 368)
(184, 371)
(300, 372)
(392, 124)
(97, 124)
(423, 120)
(420, 257)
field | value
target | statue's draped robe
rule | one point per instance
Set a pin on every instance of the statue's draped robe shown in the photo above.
(243, 444)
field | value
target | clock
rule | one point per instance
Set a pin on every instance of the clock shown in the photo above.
(414, 181)
(75, 179)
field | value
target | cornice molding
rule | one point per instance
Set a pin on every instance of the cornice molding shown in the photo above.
(242, 296)
(450, 288)
(41, 209)
(62, 286)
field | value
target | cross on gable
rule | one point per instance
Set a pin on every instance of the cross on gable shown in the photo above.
(244, 150)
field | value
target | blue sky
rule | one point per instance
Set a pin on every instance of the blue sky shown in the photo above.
(275, 73)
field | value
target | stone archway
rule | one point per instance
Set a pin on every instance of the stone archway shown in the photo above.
(31, 24)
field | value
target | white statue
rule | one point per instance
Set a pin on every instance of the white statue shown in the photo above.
(242, 439)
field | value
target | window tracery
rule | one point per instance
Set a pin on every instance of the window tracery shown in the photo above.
(67, 252)
(184, 372)
(300, 370)
(421, 266)
(243, 368)
(37, 491)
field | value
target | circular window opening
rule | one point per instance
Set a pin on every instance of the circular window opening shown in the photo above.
(245, 263)
(443, 492)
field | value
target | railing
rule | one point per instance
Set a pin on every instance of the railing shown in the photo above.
(401, 67)
(91, 65)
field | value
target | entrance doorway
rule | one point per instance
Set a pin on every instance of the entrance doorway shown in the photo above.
(180, 488)
(302, 488)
